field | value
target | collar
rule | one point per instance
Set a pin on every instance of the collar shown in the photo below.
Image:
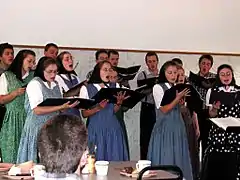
(168, 85)
(52, 84)
(99, 87)
(150, 72)
(65, 76)
(25, 75)
(231, 88)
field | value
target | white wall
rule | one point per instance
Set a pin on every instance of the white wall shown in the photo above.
(189, 25)
(86, 63)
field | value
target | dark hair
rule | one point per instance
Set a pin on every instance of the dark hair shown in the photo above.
(112, 52)
(95, 77)
(17, 64)
(206, 56)
(4, 46)
(151, 53)
(178, 61)
(100, 51)
(61, 69)
(43, 63)
(50, 45)
(162, 78)
(61, 143)
(218, 81)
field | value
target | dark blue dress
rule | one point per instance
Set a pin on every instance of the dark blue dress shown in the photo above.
(169, 144)
(106, 133)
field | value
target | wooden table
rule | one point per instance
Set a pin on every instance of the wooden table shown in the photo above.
(114, 173)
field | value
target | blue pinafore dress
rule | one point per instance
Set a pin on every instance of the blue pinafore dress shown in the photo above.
(71, 83)
(27, 150)
(169, 144)
(106, 133)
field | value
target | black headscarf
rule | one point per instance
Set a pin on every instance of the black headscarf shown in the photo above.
(162, 77)
(43, 63)
(95, 77)
(61, 69)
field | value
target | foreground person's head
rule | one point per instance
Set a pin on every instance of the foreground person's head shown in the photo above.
(61, 143)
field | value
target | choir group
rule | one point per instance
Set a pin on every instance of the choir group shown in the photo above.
(171, 126)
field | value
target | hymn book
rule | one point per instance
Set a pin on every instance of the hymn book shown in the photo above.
(227, 122)
(111, 93)
(200, 81)
(193, 100)
(127, 74)
(83, 103)
(129, 70)
(227, 98)
(150, 82)
(74, 91)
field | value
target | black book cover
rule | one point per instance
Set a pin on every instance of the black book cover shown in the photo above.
(129, 70)
(83, 103)
(200, 81)
(146, 90)
(226, 98)
(111, 93)
(150, 82)
(74, 91)
(126, 77)
(194, 100)
(146, 85)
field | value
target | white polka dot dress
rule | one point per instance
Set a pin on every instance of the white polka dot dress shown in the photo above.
(218, 137)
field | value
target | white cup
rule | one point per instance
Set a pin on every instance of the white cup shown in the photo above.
(141, 164)
(37, 171)
(102, 167)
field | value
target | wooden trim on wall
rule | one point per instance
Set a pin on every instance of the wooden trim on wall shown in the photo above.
(131, 50)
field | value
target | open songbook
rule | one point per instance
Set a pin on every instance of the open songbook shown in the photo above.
(146, 85)
(150, 82)
(126, 77)
(127, 73)
(74, 91)
(226, 98)
(129, 70)
(224, 123)
(200, 81)
(111, 93)
(83, 103)
(194, 100)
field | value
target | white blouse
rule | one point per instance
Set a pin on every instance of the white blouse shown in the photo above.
(230, 89)
(84, 93)
(61, 82)
(34, 92)
(158, 94)
(4, 84)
